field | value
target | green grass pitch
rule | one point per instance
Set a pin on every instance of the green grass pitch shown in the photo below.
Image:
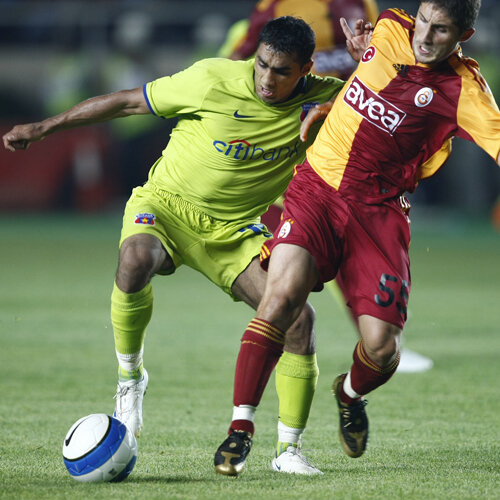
(434, 435)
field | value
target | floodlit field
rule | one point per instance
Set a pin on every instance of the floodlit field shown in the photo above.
(434, 435)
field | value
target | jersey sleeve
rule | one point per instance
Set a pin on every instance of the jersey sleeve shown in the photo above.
(478, 117)
(181, 93)
(434, 163)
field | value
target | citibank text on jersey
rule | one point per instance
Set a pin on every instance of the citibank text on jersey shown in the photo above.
(243, 150)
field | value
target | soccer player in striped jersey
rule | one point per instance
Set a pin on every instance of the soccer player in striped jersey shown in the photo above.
(331, 58)
(230, 156)
(345, 214)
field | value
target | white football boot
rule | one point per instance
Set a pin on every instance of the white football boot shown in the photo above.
(129, 396)
(293, 462)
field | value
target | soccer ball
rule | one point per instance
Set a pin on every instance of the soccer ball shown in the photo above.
(99, 448)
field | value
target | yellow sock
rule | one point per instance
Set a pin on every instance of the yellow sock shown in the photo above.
(130, 314)
(296, 378)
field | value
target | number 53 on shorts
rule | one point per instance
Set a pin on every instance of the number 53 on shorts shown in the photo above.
(392, 289)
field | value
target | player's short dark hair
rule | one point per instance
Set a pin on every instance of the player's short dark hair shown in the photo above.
(463, 13)
(290, 35)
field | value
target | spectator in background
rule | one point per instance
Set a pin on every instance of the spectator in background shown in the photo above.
(139, 140)
(331, 57)
(73, 77)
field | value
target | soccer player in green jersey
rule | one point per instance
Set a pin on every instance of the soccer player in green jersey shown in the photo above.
(229, 157)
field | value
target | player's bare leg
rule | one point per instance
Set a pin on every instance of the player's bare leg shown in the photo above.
(141, 256)
(410, 361)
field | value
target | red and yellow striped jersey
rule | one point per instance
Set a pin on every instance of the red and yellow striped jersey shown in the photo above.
(393, 122)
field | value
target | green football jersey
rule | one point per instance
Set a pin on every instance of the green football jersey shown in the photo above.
(231, 154)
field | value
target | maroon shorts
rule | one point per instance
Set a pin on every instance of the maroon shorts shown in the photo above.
(365, 247)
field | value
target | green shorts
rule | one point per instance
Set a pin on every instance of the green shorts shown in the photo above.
(221, 250)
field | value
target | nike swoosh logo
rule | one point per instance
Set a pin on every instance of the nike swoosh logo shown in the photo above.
(71, 435)
(237, 115)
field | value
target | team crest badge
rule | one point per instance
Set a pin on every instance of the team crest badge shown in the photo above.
(369, 54)
(306, 108)
(285, 229)
(423, 97)
(145, 219)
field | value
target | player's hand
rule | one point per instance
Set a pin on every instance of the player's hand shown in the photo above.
(319, 112)
(21, 136)
(358, 41)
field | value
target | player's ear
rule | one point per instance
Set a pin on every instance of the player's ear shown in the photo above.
(307, 68)
(466, 35)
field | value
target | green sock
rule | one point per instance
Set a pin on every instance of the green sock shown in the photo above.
(130, 315)
(296, 378)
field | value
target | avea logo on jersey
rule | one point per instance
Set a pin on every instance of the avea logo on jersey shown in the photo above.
(372, 107)
(241, 149)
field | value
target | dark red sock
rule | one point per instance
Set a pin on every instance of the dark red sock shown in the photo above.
(261, 348)
(367, 375)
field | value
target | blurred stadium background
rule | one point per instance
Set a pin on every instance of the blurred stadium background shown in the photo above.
(58, 52)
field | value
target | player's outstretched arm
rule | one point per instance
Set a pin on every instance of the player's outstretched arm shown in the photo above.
(358, 41)
(94, 110)
(319, 112)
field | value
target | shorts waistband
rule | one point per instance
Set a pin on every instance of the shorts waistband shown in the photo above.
(177, 198)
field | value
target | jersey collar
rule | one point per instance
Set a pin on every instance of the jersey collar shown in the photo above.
(299, 89)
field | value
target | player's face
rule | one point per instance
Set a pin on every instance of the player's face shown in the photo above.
(276, 74)
(436, 37)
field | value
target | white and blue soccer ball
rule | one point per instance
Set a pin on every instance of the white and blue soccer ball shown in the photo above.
(99, 448)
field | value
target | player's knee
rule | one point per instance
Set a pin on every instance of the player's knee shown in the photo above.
(381, 339)
(280, 308)
(383, 350)
(135, 268)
